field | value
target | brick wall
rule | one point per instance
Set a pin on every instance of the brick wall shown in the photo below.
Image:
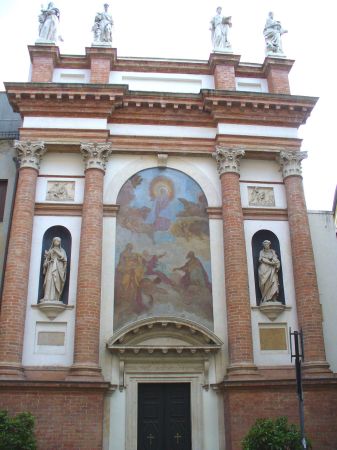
(13, 307)
(278, 81)
(100, 70)
(306, 288)
(243, 407)
(64, 419)
(224, 77)
(236, 273)
(42, 69)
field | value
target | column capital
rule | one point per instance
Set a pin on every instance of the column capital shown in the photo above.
(95, 155)
(29, 153)
(228, 159)
(290, 163)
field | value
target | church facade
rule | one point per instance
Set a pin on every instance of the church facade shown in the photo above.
(160, 254)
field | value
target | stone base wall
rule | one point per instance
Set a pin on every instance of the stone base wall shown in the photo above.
(245, 404)
(66, 417)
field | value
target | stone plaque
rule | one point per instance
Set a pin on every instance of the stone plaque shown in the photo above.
(273, 338)
(53, 338)
(60, 191)
(261, 196)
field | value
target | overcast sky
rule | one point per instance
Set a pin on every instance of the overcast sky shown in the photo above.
(180, 29)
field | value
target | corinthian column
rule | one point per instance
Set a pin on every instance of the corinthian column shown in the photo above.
(236, 273)
(86, 352)
(14, 298)
(306, 289)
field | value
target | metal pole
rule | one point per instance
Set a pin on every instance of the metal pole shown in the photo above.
(298, 356)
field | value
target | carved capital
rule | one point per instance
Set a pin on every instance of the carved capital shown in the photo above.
(29, 153)
(95, 155)
(228, 159)
(290, 163)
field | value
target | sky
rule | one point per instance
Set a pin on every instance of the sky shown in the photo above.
(180, 29)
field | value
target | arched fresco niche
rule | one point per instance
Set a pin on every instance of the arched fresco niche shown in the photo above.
(163, 264)
(257, 245)
(64, 234)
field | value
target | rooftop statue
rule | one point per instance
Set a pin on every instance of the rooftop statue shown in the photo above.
(48, 25)
(220, 26)
(272, 33)
(102, 27)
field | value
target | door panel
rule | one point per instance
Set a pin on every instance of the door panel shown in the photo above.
(164, 418)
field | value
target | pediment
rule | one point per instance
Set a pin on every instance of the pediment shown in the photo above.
(165, 335)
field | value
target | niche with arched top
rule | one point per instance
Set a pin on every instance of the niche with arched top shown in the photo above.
(257, 246)
(64, 234)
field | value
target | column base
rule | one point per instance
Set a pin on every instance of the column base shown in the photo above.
(11, 371)
(84, 372)
(243, 371)
(317, 369)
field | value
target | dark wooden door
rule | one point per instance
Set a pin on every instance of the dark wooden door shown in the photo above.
(164, 416)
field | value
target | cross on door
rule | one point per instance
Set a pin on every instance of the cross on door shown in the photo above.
(150, 437)
(177, 437)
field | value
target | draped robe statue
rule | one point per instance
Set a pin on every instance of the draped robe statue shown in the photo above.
(54, 271)
(269, 265)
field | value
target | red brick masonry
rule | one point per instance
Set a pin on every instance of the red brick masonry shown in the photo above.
(246, 403)
(67, 416)
(14, 298)
(236, 273)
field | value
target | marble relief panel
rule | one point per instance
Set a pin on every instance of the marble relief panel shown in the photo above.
(261, 196)
(60, 191)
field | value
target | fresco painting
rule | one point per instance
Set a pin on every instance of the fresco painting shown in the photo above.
(163, 265)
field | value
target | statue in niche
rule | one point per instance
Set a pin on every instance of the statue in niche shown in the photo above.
(220, 29)
(269, 266)
(272, 34)
(102, 27)
(54, 271)
(48, 24)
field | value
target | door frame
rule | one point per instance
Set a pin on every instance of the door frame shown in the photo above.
(131, 411)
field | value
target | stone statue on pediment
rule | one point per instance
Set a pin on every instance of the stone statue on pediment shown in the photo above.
(220, 26)
(49, 19)
(102, 27)
(272, 34)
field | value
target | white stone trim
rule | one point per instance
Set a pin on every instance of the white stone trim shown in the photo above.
(162, 373)
(257, 130)
(161, 131)
(65, 123)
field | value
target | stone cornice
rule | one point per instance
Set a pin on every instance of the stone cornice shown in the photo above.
(117, 102)
(69, 140)
(60, 385)
(277, 63)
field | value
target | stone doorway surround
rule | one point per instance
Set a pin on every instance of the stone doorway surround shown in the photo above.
(164, 350)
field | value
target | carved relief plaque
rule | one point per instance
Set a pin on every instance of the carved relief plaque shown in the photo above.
(60, 191)
(261, 196)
